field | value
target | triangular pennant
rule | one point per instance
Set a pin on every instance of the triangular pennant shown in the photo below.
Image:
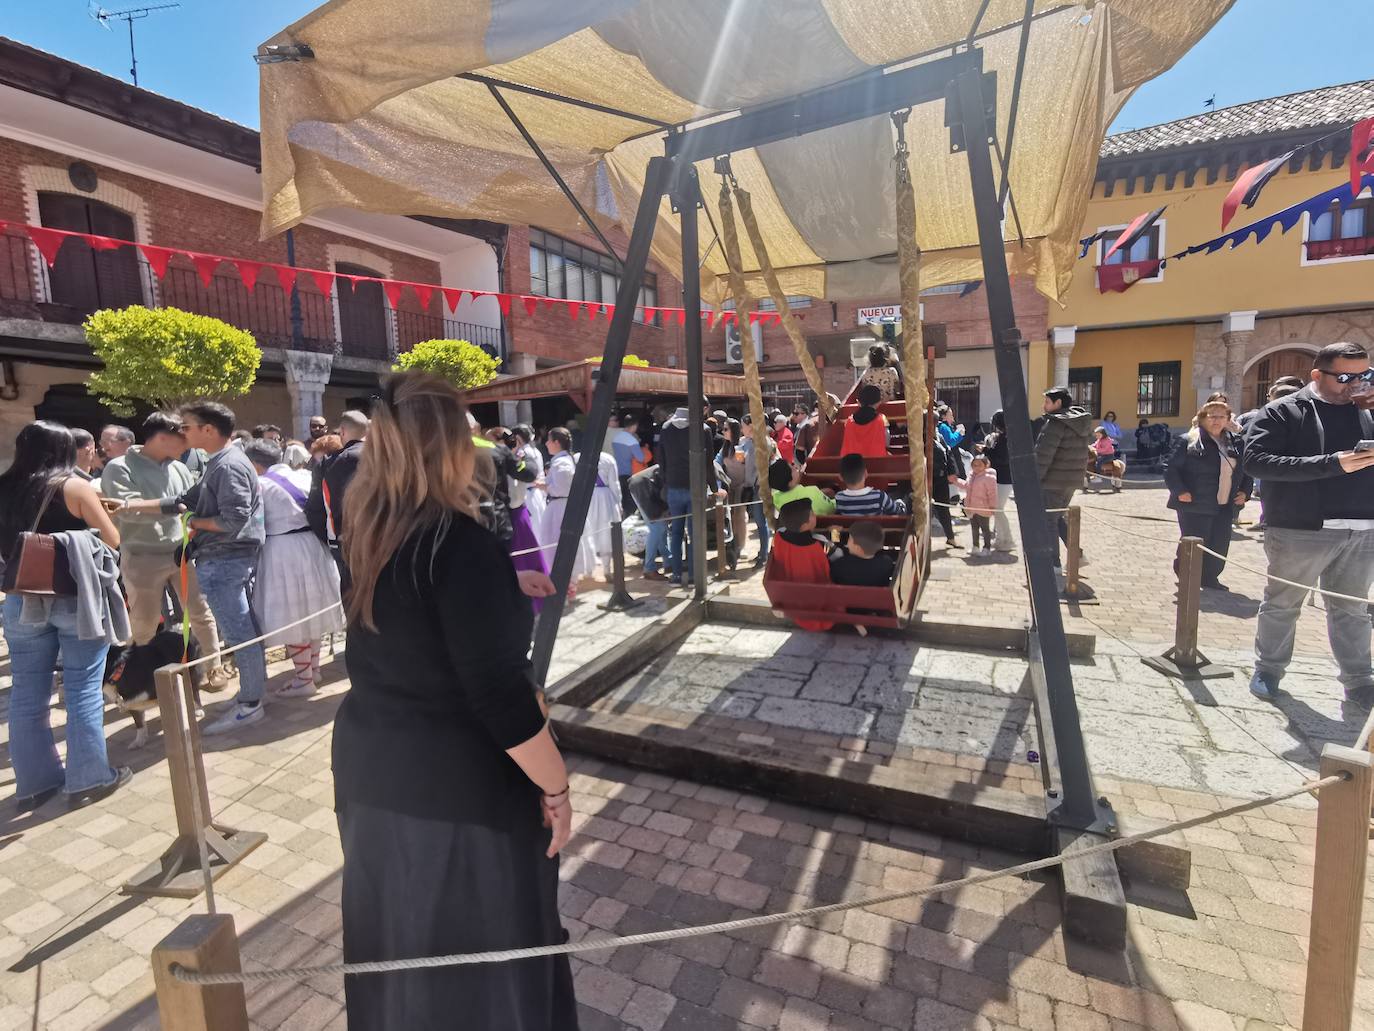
(452, 298)
(710, 316)
(157, 257)
(248, 272)
(529, 302)
(756, 316)
(1361, 153)
(392, 289)
(423, 293)
(286, 276)
(352, 281)
(609, 311)
(104, 243)
(48, 242)
(205, 266)
(323, 280)
(549, 302)
(1248, 186)
(1133, 232)
(573, 308)
(681, 315)
(650, 314)
(503, 301)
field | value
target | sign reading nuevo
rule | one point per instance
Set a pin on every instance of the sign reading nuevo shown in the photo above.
(880, 315)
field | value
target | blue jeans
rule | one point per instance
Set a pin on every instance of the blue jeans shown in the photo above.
(656, 547)
(679, 504)
(760, 519)
(225, 582)
(33, 659)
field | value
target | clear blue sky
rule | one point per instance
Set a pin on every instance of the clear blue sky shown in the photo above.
(201, 53)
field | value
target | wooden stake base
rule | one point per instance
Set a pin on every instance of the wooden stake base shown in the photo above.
(178, 875)
(1201, 669)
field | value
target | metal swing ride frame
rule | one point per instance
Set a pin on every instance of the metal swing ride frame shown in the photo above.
(968, 93)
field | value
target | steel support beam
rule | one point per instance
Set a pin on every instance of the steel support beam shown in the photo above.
(877, 93)
(1077, 809)
(603, 400)
(686, 193)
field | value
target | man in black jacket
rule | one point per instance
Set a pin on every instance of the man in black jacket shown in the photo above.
(677, 478)
(1061, 454)
(324, 508)
(1319, 507)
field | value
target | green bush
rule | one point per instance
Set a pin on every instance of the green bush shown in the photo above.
(463, 364)
(632, 360)
(166, 356)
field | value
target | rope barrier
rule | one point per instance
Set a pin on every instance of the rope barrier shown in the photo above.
(767, 920)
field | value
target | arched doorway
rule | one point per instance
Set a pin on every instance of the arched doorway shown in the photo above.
(1293, 361)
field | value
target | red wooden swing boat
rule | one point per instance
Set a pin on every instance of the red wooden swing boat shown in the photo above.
(892, 606)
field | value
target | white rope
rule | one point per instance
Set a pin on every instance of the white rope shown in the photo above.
(1240, 565)
(790, 916)
(258, 640)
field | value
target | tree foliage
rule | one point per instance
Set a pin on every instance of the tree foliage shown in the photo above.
(166, 356)
(463, 364)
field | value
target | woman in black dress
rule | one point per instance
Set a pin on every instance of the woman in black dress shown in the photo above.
(452, 798)
(1207, 485)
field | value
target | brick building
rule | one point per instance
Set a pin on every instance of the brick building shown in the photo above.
(82, 151)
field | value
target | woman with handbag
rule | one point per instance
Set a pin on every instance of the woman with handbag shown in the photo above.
(452, 798)
(40, 495)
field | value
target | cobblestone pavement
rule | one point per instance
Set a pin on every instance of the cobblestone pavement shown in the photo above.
(653, 852)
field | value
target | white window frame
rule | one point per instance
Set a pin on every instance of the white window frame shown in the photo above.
(1101, 245)
(1305, 262)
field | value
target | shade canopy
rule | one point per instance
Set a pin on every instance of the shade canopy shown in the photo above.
(377, 119)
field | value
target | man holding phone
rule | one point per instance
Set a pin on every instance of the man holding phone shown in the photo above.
(1314, 450)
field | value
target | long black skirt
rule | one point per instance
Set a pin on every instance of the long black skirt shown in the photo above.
(415, 887)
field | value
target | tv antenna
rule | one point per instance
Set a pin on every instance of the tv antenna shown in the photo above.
(128, 16)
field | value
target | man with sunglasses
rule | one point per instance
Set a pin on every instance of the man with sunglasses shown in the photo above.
(1319, 511)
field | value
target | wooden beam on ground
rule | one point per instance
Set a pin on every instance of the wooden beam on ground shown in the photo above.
(1094, 901)
(927, 630)
(594, 679)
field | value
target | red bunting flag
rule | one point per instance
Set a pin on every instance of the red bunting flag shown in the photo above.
(1133, 232)
(104, 243)
(286, 276)
(248, 272)
(710, 316)
(681, 314)
(352, 281)
(323, 280)
(424, 294)
(504, 301)
(650, 314)
(529, 302)
(205, 266)
(1248, 186)
(573, 308)
(452, 298)
(392, 289)
(48, 242)
(157, 257)
(1121, 277)
(609, 309)
(1361, 153)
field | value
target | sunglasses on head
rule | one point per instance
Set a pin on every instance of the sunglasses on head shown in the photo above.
(1349, 377)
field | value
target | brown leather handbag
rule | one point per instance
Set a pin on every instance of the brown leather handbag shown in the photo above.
(34, 565)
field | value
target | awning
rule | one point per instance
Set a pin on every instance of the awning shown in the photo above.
(378, 120)
(576, 381)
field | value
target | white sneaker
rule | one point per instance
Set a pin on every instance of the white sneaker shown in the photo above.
(298, 689)
(239, 716)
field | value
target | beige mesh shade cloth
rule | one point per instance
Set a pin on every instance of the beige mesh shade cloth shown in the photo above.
(377, 120)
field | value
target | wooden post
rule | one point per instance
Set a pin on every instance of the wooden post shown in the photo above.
(205, 944)
(722, 560)
(1338, 890)
(1184, 660)
(620, 598)
(177, 873)
(1074, 587)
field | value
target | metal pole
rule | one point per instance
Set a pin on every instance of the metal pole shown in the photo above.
(620, 599)
(297, 326)
(603, 399)
(687, 195)
(1078, 808)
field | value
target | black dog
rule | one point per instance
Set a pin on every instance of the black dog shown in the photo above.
(129, 682)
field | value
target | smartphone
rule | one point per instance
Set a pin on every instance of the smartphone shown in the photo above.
(1365, 445)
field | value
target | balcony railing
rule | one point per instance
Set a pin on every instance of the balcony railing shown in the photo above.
(265, 311)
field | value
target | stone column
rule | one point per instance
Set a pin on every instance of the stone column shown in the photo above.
(1062, 337)
(1237, 328)
(518, 363)
(307, 374)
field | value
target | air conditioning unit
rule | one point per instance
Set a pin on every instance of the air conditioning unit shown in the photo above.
(734, 345)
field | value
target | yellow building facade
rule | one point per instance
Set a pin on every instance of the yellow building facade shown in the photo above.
(1232, 320)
